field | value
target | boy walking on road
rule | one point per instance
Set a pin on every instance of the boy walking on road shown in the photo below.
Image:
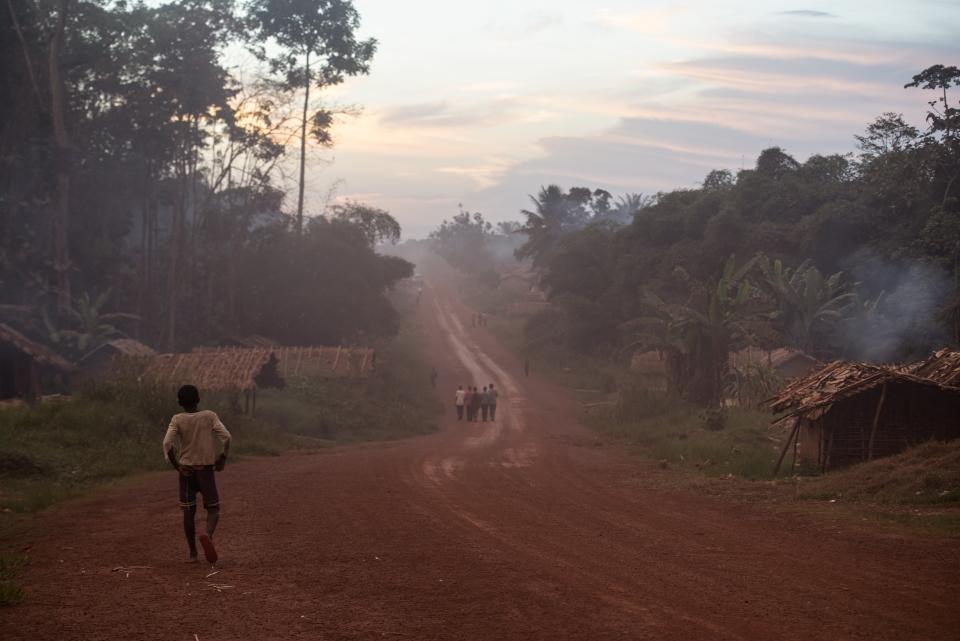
(492, 400)
(484, 403)
(196, 464)
(458, 401)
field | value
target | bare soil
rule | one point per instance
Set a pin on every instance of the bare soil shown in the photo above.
(525, 528)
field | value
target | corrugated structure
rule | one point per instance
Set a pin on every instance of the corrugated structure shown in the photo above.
(849, 412)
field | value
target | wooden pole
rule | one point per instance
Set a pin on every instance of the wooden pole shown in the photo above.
(876, 420)
(796, 445)
(786, 446)
(826, 458)
(253, 408)
(246, 402)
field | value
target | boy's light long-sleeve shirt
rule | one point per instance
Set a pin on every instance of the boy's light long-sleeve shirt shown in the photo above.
(196, 431)
(458, 397)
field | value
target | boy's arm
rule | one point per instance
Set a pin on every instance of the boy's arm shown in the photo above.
(222, 433)
(224, 436)
(168, 440)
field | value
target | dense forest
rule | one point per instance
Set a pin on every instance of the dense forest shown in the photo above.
(854, 256)
(143, 175)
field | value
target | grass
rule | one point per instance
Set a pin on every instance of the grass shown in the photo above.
(925, 475)
(54, 451)
(675, 433)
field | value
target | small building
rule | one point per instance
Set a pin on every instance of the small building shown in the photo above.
(27, 368)
(107, 355)
(849, 412)
(788, 363)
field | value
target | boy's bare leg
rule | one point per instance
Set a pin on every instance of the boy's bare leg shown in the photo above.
(213, 517)
(190, 531)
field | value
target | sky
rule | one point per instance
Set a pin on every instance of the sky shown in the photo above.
(482, 103)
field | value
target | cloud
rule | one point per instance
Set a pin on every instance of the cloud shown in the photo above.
(526, 25)
(808, 13)
(450, 114)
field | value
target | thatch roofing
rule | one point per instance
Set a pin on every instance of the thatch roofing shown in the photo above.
(943, 366)
(310, 362)
(812, 396)
(35, 350)
(213, 371)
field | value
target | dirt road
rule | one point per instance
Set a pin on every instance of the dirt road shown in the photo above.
(518, 529)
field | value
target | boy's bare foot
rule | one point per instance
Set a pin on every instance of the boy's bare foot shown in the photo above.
(209, 551)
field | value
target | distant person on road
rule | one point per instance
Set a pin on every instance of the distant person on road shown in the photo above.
(468, 403)
(433, 377)
(473, 320)
(475, 403)
(458, 400)
(492, 396)
(196, 463)
(484, 404)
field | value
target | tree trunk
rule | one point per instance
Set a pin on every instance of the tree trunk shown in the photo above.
(303, 145)
(28, 63)
(61, 215)
(175, 257)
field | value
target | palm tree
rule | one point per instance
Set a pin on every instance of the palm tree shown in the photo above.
(626, 206)
(808, 304)
(553, 215)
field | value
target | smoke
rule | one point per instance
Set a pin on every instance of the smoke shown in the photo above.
(901, 312)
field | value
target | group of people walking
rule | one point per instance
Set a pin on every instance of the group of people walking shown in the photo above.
(474, 404)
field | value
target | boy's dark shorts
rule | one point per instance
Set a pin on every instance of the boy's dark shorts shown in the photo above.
(198, 478)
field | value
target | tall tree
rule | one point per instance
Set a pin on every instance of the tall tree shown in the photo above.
(317, 47)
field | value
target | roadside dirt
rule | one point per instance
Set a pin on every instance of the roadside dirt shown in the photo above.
(520, 529)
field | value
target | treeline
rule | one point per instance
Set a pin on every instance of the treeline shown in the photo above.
(141, 182)
(853, 255)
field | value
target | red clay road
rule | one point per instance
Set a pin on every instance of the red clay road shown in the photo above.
(519, 529)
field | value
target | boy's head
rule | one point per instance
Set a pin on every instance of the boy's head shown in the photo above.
(188, 396)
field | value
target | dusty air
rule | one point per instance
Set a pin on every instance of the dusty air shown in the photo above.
(355, 320)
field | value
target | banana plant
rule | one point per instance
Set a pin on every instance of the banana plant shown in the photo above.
(809, 304)
(88, 326)
(696, 336)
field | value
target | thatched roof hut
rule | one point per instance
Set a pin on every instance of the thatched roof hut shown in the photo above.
(106, 355)
(26, 365)
(849, 412)
(314, 362)
(234, 370)
(943, 366)
(787, 362)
